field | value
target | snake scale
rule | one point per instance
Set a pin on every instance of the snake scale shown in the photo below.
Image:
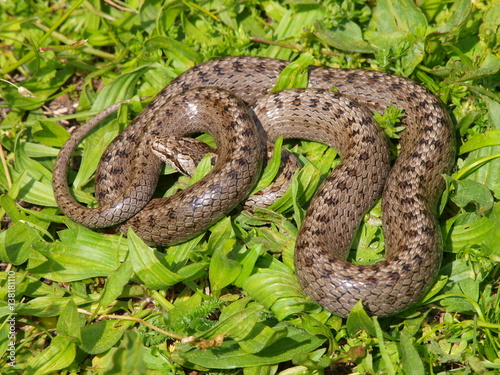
(197, 101)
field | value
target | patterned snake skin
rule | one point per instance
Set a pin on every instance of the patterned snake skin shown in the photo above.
(128, 172)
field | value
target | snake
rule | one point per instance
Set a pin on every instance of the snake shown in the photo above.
(231, 98)
(184, 155)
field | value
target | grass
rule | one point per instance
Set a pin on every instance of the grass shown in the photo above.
(77, 301)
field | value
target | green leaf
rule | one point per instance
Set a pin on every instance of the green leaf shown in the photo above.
(271, 169)
(35, 169)
(487, 148)
(262, 336)
(261, 370)
(5, 340)
(202, 169)
(60, 354)
(153, 273)
(412, 364)
(172, 48)
(247, 264)
(68, 323)
(103, 335)
(223, 268)
(35, 150)
(460, 12)
(149, 14)
(400, 30)
(316, 327)
(123, 87)
(436, 288)
(48, 306)
(359, 320)
(291, 23)
(50, 134)
(30, 190)
(230, 355)
(16, 243)
(304, 186)
(488, 138)
(479, 231)
(488, 31)
(236, 320)
(347, 36)
(9, 205)
(398, 15)
(81, 254)
(178, 255)
(126, 358)
(277, 291)
(115, 283)
(147, 266)
(295, 75)
(473, 193)
(93, 147)
(383, 348)
(47, 82)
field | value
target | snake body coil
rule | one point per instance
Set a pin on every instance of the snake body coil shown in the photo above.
(127, 174)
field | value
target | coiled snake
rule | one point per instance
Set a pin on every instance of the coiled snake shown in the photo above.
(128, 172)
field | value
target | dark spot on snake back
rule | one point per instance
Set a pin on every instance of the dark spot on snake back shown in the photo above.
(364, 156)
(368, 139)
(342, 186)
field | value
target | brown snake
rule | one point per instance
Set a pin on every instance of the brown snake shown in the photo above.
(127, 174)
